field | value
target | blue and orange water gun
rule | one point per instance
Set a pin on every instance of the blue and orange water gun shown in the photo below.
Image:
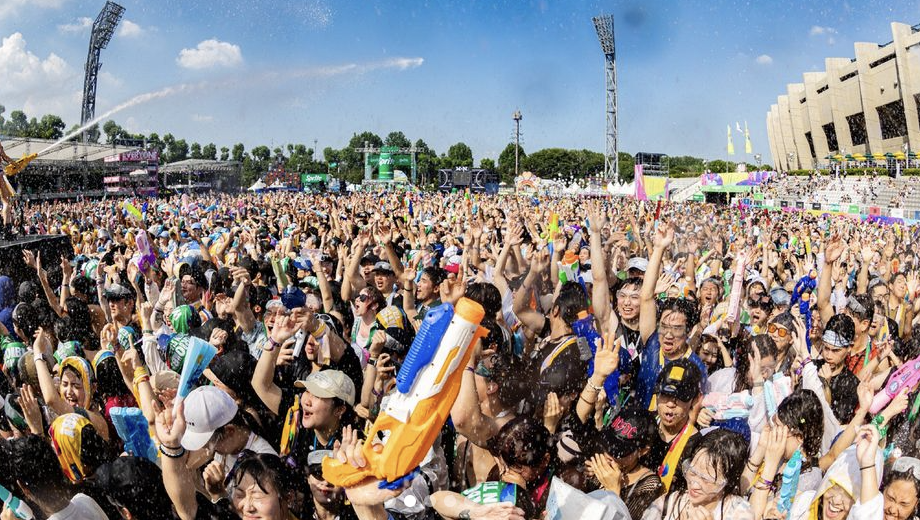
(427, 386)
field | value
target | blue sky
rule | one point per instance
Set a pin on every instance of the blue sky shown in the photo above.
(282, 71)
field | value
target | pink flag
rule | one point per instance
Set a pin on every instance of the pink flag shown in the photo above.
(640, 183)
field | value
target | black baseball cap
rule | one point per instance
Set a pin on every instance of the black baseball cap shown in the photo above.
(679, 379)
(629, 431)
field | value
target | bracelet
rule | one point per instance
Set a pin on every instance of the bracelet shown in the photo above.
(758, 384)
(171, 452)
(141, 371)
(870, 466)
(594, 387)
(752, 466)
(469, 369)
(372, 362)
(141, 379)
(272, 344)
(592, 403)
(376, 393)
(147, 331)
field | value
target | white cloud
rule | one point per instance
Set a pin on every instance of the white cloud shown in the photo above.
(37, 86)
(405, 63)
(209, 54)
(129, 29)
(198, 118)
(817, 30)
(764, 59)
(11, 8)
(110, 80)
(80, 25)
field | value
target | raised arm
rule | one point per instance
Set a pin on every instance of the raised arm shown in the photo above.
(648, 312)
(531, 318)
(600, 288)
(178, 479)
(832, 252)
(263, 379)
(466, 413)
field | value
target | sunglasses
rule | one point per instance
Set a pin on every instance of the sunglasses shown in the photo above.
(779, 331)
(362, 298)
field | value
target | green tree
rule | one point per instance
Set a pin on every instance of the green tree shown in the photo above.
(626, 164)
(112, 131)
(177, 150)
(18, 125)
(224, 153)
(720, 166)
(261, 153)
(239, 151)
(354, 160)
(154, 143)
(506, 163)
(51, 127)
(397, 139)
(460, 155)
(195, 151)
(250, 171)
(209, 151)
(487, 164)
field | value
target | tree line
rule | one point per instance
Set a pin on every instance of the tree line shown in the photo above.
(347, 163)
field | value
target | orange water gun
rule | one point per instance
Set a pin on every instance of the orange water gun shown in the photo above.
(427, 386)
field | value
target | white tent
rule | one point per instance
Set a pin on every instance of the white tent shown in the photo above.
(258, 186)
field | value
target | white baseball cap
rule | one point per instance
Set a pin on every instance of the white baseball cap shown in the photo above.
(207, 408)
(328, 384)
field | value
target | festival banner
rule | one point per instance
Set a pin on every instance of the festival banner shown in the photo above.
(731, 146)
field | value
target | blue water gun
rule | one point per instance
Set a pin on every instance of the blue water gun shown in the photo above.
(801, 294)
(133, 429)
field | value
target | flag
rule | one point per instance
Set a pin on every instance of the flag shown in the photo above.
(731, 146)
(738, 126)
(747, 140)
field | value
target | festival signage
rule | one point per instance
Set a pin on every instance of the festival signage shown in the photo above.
(134, 156)
(313, 178)
(853, 209)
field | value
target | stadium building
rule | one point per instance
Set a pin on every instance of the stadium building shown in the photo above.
(860, 111)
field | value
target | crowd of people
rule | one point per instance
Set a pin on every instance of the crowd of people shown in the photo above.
(671, 361)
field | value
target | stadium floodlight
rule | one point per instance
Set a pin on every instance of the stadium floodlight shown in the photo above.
(604, 26)
(103, 30)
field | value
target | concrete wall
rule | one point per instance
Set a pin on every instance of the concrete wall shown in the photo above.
(877, 76)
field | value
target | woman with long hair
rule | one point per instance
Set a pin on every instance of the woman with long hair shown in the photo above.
(710, 487)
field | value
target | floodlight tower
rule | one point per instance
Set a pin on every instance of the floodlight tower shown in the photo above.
(604, 26)
(103, 30)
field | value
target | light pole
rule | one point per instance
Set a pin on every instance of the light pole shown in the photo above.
(517, 139)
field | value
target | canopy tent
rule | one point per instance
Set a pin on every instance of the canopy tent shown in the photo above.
(257, 186)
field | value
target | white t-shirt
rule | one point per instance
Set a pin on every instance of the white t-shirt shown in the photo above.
(81, 507)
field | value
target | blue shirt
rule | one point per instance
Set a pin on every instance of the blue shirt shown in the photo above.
(649, 368)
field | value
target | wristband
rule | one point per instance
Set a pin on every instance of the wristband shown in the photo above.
(140, 379)
(863, 468)
(372, 362)
(170, 452)
(272, 344)
(594, 387)
(141, 372)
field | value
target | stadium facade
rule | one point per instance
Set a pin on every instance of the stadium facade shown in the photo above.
(867, 105)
